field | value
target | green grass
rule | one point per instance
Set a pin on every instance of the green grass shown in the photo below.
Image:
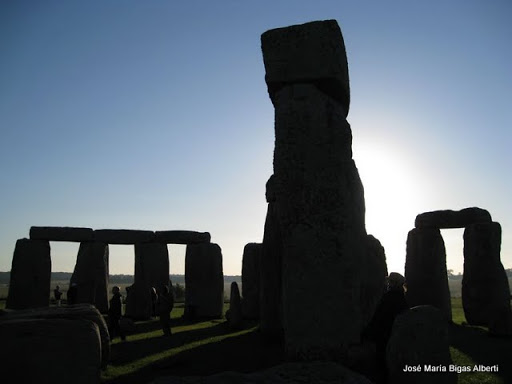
(207, 347)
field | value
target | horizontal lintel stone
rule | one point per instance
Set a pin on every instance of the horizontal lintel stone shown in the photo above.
(452, 219)
(123, 236)
(75, 234)
(307, 53)
(182, 237)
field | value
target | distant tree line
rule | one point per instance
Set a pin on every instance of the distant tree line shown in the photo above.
(121, 279)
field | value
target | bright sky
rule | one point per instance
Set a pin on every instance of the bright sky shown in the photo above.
(155, 115)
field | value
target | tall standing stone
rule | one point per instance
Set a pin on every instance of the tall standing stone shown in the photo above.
(271, 323)
(485, 287)
(373, 278)
(151, 270)
(319, 195)
(251, 280)
(425, 270)
(91, 274)
(204, 280)
(29, 285)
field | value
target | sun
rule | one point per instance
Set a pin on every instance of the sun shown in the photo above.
(393, 197)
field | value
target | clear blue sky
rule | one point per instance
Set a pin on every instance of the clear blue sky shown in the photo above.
(155, 115)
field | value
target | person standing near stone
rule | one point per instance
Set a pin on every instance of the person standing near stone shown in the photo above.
(57, 294)
(379, 329)
(114, 315)
(165, 303)
(154, 299)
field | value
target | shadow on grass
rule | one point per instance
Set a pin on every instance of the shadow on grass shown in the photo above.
(154, 324)
(484, 349)
(247, 352)
(123, 353)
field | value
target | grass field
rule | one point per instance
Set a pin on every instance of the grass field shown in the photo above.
(208, 347)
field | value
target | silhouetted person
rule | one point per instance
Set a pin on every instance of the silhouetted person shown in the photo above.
(114, 315)
(391, 304)
(57, 294)
(165, 305)
(71, 295)
(154, 298)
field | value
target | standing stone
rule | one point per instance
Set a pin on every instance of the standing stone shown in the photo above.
(425, 270)
(29, 285)
(375, 272)
(151, 271)
(420, 337)
(271, 324)
(204, 280)
(485, 287)
(91, 275)
(234, 313)
(251, 280)
(50, 351)
(319, 195)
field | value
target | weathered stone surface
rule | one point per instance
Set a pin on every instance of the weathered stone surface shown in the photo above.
(182, 237)
(270, 190)
(425, 270)
(251, 280)
(374, 274)
(50, 351)
(91, 275)
(204, 280)
(485, 287)
(72, 312)
(320, 209)
(234, 313)
(123, 236)
(151, 270)
(31, 268)
(419, 337)
(309, 53)
(452, 219)
(319, 196)
(75, 234)
(289, 373)
(271, 323)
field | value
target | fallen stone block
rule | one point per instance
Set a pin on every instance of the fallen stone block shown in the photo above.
(50, 351)
(288, 373)
(419, 338)
(72, 312)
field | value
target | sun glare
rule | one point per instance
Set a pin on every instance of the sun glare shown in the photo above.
(393, 199)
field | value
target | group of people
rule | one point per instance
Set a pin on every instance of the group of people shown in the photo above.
(162, 305)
